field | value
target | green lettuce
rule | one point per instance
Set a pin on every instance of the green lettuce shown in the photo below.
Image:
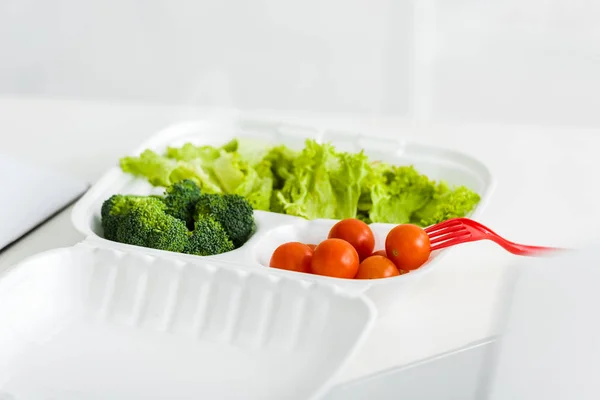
(200, 173)
(316, 182)
(281, 161)
(257, 190)
(156, 168)
(214, 170)
(323, 183)
(189, 152)
(397, 192)
(446, 203)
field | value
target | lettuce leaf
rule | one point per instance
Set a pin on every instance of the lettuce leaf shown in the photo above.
(257, 190)
(189, 152)
(316, 182)
(199, 173)
(397, 192)
(281, 160)
(156, 168)
(214, 170)
(323, 183)
(446, 203)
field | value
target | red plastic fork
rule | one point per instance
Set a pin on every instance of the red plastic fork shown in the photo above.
(463, 230)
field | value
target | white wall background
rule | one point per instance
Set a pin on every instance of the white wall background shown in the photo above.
(525, 61)
(510, 61)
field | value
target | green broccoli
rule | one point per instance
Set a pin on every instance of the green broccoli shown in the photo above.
(142, 221)
(181, 199)
(208, 238)
(232, 211)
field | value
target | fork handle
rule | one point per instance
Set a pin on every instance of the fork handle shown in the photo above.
(524, 250)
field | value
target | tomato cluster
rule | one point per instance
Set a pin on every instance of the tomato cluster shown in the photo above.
(348, 252)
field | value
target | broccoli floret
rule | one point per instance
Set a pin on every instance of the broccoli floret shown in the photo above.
(208, 238)
(232, 211)
(181, 199)
(142, 221)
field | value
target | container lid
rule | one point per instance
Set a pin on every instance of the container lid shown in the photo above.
(550, 348)
(97, 323)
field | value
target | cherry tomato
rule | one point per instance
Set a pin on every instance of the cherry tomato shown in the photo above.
(379, 253)
(312, 246)
(407, 246)
(375, 267)
(355, 232)
(293, 256)
(336, 258)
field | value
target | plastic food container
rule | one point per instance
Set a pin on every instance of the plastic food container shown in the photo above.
(110, 320)
(274, 229)
(99, 323)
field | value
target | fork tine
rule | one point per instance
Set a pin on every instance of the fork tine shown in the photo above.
(452, 235)
(448, 243)
(448, 230)
(442, 225)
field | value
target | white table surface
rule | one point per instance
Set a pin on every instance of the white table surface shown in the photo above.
(546, 194)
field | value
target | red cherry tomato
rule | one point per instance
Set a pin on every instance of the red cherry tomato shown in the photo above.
(376, 267)
(407, 246)
(336, 258)
(379, 253)
(292, 256)
(355, 232)
(384, 254)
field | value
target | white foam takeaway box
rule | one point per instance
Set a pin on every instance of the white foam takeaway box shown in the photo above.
(274, 229)
(106, 320)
